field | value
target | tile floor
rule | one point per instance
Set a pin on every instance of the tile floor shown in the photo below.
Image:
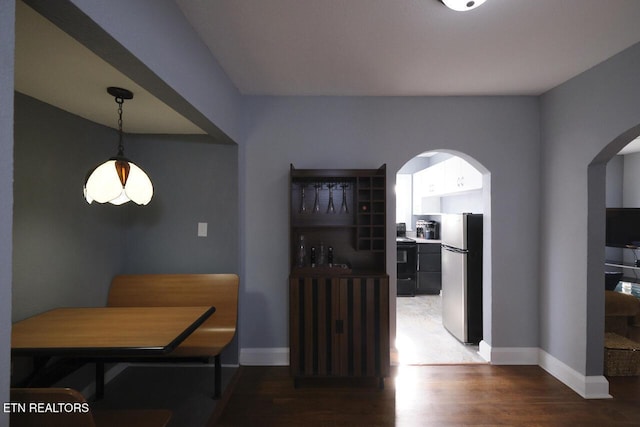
(420, 337)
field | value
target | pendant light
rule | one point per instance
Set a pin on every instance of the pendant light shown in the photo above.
(118, 180)
(462, 5)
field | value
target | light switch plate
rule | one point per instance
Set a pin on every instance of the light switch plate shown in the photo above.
(202, 229)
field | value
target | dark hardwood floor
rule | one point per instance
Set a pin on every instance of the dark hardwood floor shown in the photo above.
(445, 395)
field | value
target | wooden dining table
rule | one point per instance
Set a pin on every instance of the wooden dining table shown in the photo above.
(99, 333)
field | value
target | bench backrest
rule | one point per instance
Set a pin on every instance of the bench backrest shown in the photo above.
(179, 290)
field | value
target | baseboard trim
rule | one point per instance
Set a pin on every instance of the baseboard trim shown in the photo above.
(589, 387)
(264, 356)
(509, 355)
(484, 350)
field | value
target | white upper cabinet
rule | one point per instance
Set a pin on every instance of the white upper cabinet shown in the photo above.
(430, 180)
(461, 176)
(404, 200)
(451, 176)
(427, 187)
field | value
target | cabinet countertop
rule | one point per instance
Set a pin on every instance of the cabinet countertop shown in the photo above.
(419, 240)
(335, 273)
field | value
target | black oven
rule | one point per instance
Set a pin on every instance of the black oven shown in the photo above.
(407, 269)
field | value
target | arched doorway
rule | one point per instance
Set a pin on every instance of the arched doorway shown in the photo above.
(431, 187)
(608, 174)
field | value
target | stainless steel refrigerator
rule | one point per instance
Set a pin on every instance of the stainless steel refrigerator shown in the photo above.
(461, 236)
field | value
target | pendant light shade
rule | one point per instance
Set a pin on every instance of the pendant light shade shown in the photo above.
(462, 5)
(118, 180)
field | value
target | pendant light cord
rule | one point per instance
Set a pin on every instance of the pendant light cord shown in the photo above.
(120, 101)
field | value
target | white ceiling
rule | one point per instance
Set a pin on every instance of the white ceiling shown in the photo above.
(410, 47)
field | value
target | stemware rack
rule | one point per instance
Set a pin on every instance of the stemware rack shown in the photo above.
(356, 228)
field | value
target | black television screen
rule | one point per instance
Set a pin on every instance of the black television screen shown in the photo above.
(623, 227)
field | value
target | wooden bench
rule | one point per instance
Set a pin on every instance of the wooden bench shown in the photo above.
(184, 290)
(76, 412)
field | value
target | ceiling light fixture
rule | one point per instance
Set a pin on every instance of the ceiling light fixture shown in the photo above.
(118, 180)
(462, 5)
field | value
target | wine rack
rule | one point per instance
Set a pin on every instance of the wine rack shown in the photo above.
(356, 226)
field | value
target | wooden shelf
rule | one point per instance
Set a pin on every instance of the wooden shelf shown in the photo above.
(322, 270)
(357, 236)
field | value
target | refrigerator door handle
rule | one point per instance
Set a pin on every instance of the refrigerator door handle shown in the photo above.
(452, 249)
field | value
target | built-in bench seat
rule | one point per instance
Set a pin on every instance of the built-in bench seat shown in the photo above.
(185, 290)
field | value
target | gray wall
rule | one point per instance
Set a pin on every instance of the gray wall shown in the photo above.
(614, 182)
(7, 35)
(194, 181)
(500, 133)
(66, 251)
(614, 188)
(631, 181)
(585, 122)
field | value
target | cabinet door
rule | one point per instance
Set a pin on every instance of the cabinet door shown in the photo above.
(339, 327)
(452, 176)
(429, 268)
(429, 282)
(364, 340)
(418, 190)
(427, 186)
(459, 176)
(435, 180)
(471, 178)
(429, 261)
(314, 307)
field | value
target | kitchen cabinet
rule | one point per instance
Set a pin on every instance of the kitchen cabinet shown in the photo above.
(339, 311)
(339, 327)
(427, 205)
(429, 268)
(427, 188)
(430, 179)
(461, 176)
(448, 177)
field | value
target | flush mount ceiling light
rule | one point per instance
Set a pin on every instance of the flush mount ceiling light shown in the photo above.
(118, 180)
(462, 5)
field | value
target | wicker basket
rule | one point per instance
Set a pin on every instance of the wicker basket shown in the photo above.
(621, 356)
